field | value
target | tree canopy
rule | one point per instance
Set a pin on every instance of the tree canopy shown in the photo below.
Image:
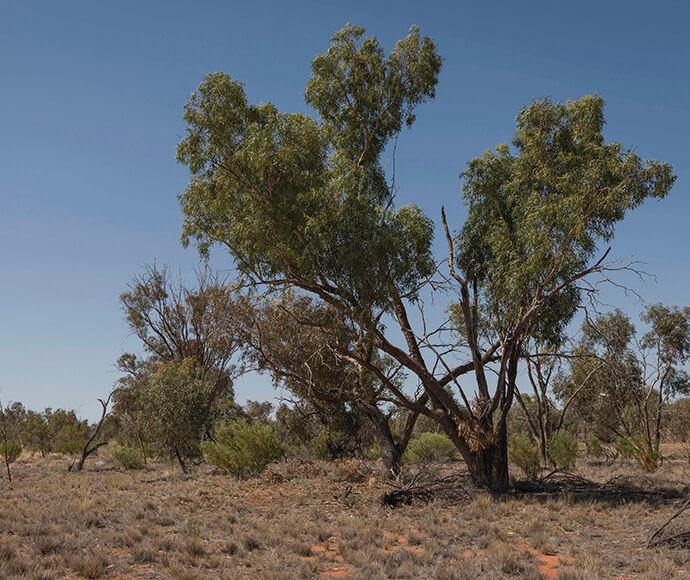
(304, 202)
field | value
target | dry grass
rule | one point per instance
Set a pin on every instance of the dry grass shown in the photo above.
(307, 520)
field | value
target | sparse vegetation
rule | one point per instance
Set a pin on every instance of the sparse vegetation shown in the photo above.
(327, 519)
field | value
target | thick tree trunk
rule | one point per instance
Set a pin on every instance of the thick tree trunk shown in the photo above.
(489, 468)
(485, 452)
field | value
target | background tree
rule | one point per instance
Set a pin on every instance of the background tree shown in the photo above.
(175, 408)
(179, 327)
(9, 443)
(626, 396)
(175, 323)
(305, 203)
(37, 433)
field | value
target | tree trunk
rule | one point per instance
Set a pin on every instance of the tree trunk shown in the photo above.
(485, 452)
(86, 451)
(179, 459)
(391, 452)
(489, 468)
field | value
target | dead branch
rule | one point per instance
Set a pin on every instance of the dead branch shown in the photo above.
(652, 542)
(86, 451)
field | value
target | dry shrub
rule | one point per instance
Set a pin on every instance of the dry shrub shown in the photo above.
(309, 469)
(351, 470)
(272, 475)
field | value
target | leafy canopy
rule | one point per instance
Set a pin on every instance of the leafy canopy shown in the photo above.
(305, 201)
(537, 211)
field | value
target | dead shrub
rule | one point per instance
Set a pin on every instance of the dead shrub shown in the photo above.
(351, 470)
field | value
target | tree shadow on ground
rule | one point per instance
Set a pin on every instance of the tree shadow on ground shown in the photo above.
(457, 489)
(619, 490)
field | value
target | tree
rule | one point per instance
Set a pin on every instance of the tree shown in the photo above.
(541, 419)
(37, 432)
(305, 203)
(301, 343)
(175, 323)
(11, 449)
(88, 448)
(631, 381)
(177, 326)
(535, 215)
(175, 409)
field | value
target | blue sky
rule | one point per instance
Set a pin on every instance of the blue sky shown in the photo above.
(91, 112)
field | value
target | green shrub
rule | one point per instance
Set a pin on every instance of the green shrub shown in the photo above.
(69, 446)
(10, 450)
(594, 447)
(427, 446)
(525, 454)
(625, 447)
(319, 444)
(241, 448)
(637, 447)
(127, 457)
(562, 450)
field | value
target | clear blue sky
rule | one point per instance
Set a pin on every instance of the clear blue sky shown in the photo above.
(91, 103)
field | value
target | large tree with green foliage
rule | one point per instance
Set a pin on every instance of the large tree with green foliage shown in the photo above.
(304, 202)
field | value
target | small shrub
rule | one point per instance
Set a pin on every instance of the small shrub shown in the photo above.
(319, 444)
(594, 447)
(525, 454)
(11, 450)
(241, 448)
(351, 470)
(625, 447)
(428, 446)
(127, 457)
(562, 450)
(638, 448)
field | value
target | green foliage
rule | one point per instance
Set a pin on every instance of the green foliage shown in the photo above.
(562, 450)
(175, 409)
(320, 444)
(304, 203)
(624, 385)
(625, 447)
(429, 446)
(594, 447)
(127, 457)
(242, 448)
(535, 215)
(639, 448)
(290, 196)
(525, 454)
(58, 431)
(10, 450)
